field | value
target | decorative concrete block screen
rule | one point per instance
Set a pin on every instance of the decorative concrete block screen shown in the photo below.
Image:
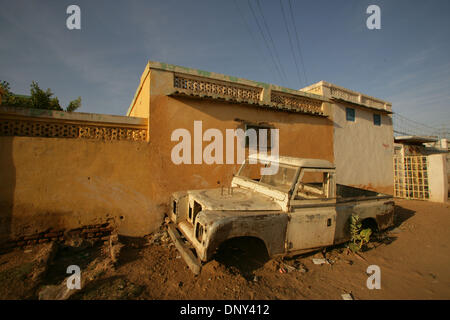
(53, 124)
(223, 90)
(182, 82)
(340, 93)
(344, 94)
(217, 88)
(411, 177)
(297, 102)
(347, 95)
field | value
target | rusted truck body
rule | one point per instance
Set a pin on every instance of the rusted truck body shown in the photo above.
(298, 209)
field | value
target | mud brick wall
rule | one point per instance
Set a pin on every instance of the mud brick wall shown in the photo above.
(95, 232)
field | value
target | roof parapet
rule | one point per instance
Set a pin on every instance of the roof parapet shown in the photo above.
(339, 93)
(209, 85)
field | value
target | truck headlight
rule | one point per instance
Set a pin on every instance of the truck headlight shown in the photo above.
(199, 232)
(174, 207)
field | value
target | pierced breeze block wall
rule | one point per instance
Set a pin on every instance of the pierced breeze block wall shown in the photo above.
(59, 124)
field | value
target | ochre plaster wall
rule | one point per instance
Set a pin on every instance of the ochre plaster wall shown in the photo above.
(67, 183)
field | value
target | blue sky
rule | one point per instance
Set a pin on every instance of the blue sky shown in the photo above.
(407, 62)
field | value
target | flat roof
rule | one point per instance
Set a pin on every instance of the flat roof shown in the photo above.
(237, 80)
(415, 139)
(15, 112)
(341, 94)
(205, 85)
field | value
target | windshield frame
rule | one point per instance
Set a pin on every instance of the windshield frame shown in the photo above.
(294, 180)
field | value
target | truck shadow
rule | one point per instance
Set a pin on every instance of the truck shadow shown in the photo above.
(131, 250)
(242, 255)
(401, 215)
(390, 234)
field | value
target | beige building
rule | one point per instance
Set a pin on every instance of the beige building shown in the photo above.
(362, 137)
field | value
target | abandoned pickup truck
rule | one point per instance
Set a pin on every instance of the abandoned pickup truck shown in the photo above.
(298, 209)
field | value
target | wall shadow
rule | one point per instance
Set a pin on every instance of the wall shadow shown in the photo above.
(389, 235)
(221, 111)
(7, 188)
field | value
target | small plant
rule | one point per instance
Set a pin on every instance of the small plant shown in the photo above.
(359, 236)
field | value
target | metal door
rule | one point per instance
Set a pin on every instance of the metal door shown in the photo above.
(311, 227)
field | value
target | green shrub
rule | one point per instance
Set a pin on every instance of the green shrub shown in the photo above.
(359, 237)
(39, 99)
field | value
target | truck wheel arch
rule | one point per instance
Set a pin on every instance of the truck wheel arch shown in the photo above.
(370, 223)
(218, 244)
(270, 229)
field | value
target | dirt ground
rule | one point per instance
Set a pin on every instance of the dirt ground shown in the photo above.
(413, 257)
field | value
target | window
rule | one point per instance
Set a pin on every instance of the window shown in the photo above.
(257, 128)
(283, 180)
(350, 114)
(377, 119)
(314, 184)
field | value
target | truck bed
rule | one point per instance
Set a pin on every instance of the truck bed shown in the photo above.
(344, 191)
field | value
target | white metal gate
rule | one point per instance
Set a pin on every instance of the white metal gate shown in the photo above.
(411, 177)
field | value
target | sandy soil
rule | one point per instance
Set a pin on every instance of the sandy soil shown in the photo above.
(413, 258)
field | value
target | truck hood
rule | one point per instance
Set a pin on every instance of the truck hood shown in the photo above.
(233, 199)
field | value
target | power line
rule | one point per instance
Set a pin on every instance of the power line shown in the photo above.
(298, 43)
(265, 40)
(290, 43)
(406, 119)
(405, 126)
(249, 29)
(271, 39)
(417, 123)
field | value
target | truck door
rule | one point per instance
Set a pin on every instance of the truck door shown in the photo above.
(312, 216)
(311, 228)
